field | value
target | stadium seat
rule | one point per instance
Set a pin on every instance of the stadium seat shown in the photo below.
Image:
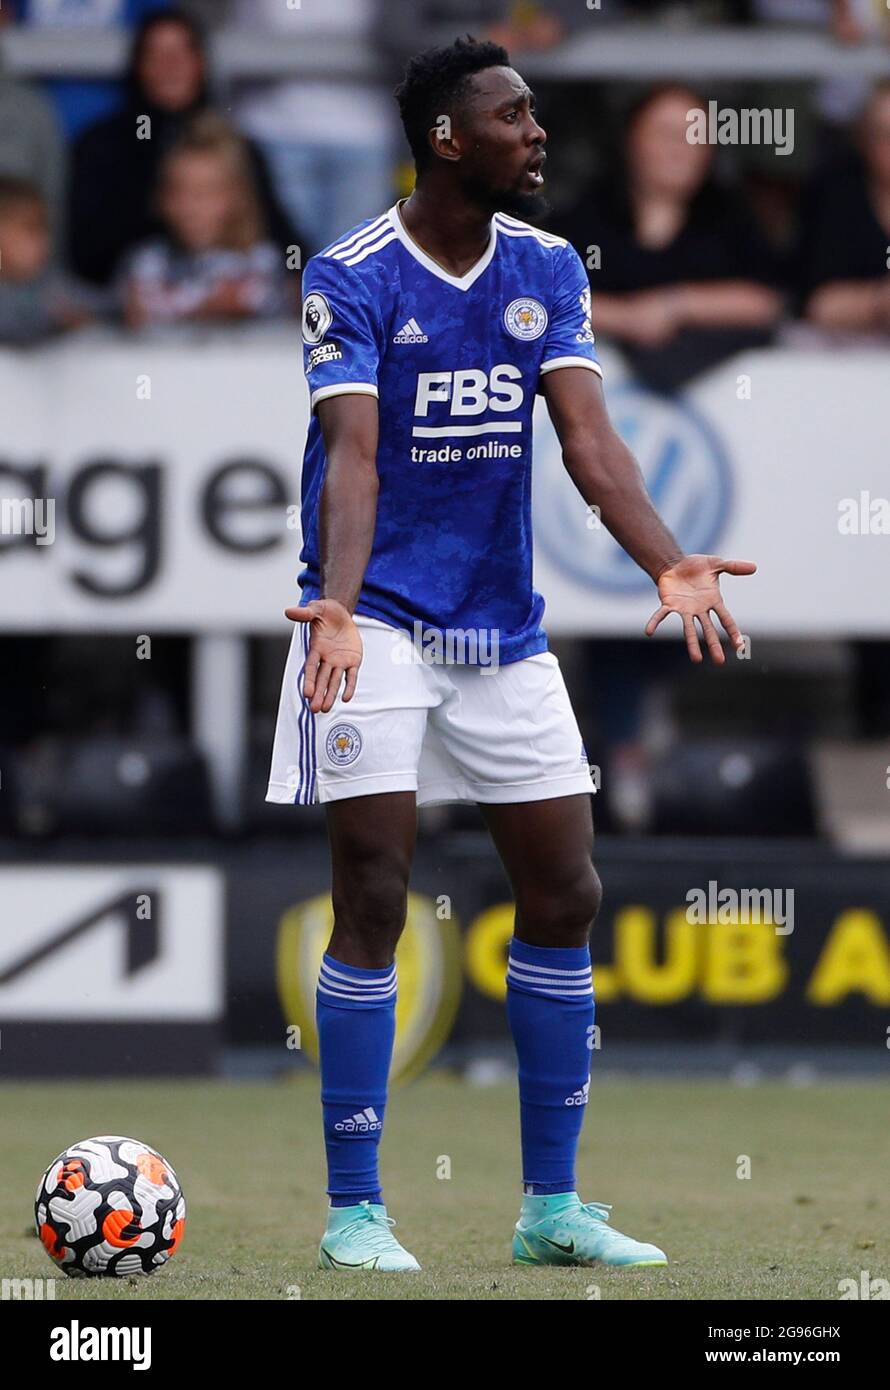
(9, 792)
(113, 785)
(851, 782)
(732, 786)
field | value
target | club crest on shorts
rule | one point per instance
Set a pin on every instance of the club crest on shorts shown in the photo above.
(525, 318)
(343, 744)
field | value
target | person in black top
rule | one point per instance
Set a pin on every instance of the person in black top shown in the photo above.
(846, 233)
(679, 273)
(114, 171)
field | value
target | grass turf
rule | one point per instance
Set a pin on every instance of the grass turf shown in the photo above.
(665, 1153)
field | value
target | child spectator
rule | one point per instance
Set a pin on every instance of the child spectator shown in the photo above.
(35, 299)
(31, 144)
(114, 172)
(214, 261)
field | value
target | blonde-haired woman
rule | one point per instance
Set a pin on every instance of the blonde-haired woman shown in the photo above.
(215, 261)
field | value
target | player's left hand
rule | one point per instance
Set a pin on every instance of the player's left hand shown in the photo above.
(692, 589)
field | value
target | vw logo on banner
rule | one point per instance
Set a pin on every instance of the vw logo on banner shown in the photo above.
(687, 474)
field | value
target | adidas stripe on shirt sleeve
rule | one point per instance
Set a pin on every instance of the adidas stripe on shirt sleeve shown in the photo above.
(341, 336)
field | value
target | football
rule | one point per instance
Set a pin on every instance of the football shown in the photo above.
(110, 1206)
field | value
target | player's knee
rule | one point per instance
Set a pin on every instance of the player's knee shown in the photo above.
(370, 910)
(566, 914)
(580, 903)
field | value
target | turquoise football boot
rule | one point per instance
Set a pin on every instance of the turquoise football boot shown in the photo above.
(563, 1230)
(360, 1237)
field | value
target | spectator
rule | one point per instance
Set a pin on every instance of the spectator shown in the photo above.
(680, 275)
(31, 145)
(520, 26)
(36, 300)
(80, 101)
(115, 162)
(856, 21)
(214, 262)
(847, 232)
(330, 143)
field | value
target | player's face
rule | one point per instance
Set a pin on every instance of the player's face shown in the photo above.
(502, 145)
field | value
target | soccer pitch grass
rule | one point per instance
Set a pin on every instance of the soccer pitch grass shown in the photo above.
(665, 1153)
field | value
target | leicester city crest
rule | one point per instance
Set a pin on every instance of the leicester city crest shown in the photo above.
(343, 744)
(525, 318)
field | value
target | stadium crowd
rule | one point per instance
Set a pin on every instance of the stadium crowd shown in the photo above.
(168, 196)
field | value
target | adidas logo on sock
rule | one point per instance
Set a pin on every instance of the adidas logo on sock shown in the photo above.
(411, 332)
(579, 1097)
(363, 1123)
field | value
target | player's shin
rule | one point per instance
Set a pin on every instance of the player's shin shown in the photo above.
(355, 1014)
(551, 1009)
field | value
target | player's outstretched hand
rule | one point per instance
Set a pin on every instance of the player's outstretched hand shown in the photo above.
(335, 651)
(692, 589)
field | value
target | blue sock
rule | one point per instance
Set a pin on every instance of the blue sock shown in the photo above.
(355, 1011)
(550, 1008)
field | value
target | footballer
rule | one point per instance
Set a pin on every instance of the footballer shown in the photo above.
(428, 331)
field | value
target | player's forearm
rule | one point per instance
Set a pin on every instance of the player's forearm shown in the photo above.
(727, 304)
(608, 478)
(613, 315)
(853, 304)
(347, 517)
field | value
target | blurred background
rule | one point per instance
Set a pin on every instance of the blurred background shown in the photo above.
(165, 173)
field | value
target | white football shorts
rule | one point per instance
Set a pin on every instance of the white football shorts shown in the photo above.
(448, 732)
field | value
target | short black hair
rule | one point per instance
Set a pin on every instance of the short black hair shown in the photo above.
(434, 83)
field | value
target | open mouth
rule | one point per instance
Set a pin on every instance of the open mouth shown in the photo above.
(535, 168)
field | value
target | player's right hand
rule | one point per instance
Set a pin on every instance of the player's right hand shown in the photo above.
(335, 651)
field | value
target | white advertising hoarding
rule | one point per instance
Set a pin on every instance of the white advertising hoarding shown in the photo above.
(173, 470)
(140, 942)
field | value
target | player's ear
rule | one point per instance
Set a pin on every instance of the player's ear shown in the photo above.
(444, 142)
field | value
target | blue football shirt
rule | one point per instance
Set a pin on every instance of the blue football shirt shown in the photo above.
(455, 362)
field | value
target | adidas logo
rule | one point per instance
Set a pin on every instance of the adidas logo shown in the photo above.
(363, 1123)
(579, 1097)
(411, 333)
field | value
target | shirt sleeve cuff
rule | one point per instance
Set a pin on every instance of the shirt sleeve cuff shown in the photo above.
(554, 362)
(342, 388)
